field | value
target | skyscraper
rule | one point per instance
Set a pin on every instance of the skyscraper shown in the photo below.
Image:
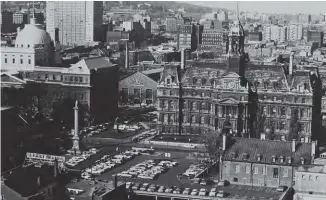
(77, 21)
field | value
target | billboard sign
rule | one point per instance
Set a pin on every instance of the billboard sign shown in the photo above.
(44, 157)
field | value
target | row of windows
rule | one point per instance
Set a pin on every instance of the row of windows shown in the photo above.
(21, 61)
(262, 170)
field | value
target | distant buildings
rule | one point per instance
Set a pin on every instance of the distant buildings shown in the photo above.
(295, 32)
(6, 17)
(255, 36)
(275, 33)
(214, 40)
(173, 24)
(315, 36)
(20, 18)
(77, 21)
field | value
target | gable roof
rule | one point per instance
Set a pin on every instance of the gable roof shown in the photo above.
(10, 80)
(267, 149)
(137, 78)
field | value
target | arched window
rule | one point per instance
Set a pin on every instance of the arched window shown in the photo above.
(194, 81)
(283, 111)
(193, 119)
(212, 82)
(202, 120)
(203, 81)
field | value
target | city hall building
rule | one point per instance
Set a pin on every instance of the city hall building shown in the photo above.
(229, 95)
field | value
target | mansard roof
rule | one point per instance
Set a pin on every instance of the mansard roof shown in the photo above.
(301, 78)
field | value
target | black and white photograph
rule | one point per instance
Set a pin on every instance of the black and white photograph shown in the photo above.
(163, 100)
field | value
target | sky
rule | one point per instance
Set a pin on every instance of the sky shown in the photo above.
(291, 7)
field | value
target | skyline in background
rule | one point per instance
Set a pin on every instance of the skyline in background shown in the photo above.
(290, 7)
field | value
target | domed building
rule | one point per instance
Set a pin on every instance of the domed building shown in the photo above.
(33, 46)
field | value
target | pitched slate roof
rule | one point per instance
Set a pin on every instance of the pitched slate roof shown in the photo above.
(267, 149)
(99, 62)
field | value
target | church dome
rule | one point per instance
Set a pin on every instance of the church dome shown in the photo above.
(31, 36)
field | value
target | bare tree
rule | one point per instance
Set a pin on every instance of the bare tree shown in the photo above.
(212, 142)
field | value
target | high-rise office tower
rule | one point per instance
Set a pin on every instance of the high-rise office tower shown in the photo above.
(77, 21)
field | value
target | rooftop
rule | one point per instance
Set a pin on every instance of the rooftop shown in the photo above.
(28, 180)
(248, 150)
(90, 188)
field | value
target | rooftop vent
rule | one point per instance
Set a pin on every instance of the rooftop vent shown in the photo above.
(258, 157)
(281, 159)
(245, 156)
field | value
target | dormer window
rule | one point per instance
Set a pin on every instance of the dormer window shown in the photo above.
(203, 82)
(234, 155)
(302, 160)
(281, 159)
(212, 82)
(258, 157)
(245, 156)
(168, 81)
(273, 159)
(289, 160)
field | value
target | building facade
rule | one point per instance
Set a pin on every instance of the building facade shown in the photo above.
(264, 163)
(315, 36)
(6, 17)
(310, 183)
(77, 21)
(137, 89)
(295, 32)
(231, 94)
(214, 40)
(20, 18)
(173, 23)
(276, 33)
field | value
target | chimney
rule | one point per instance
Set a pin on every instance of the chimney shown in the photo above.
(291, 64)
(127, 56)
(224, 142)
(313, 149)
(39, 181)
(293, 146)
(182, 59)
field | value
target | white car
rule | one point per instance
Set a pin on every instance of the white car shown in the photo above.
(194, 192)
(202, 192)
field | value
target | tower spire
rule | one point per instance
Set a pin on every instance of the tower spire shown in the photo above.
(238, 10)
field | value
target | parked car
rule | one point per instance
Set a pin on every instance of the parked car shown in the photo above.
(186, 191)
(136, 186)
(281, 188)
(223, 183)
(194, 192)
(213, 192)
(221, 193)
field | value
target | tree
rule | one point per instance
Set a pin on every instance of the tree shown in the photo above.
(294, 124)
(212, 142)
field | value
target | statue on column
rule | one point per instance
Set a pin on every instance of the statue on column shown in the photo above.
(75, 147)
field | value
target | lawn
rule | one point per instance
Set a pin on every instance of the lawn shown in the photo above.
(177, 138)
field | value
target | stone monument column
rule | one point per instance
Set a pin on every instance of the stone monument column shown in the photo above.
(75, 147)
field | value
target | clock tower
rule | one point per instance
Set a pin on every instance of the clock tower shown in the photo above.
(236, 56)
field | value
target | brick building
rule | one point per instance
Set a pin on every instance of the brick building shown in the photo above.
(264, 163)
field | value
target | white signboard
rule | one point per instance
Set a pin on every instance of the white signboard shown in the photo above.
(44, 157)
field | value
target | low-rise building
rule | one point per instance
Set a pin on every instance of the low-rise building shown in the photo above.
(137, 88)
(310, 183)
(264, 163)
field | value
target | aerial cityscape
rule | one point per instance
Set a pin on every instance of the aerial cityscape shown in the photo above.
(163, 100)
